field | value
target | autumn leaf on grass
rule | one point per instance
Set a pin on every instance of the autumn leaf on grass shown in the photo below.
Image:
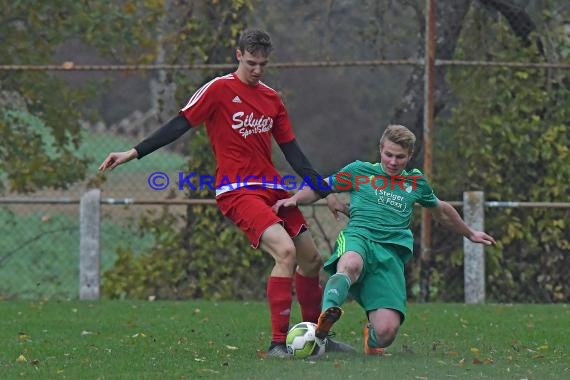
(24, 337)
(261, 354)
(208, 370)
(21, 359)
(477, 361)
(474, 350)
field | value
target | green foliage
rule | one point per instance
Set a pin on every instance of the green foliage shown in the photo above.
(513, 127)
(31, 158)
(200, 254)
(30, 35)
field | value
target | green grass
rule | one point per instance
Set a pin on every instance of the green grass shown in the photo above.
(40, 253)
(204, 340)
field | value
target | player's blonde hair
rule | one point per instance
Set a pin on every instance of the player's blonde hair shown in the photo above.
(398, 134)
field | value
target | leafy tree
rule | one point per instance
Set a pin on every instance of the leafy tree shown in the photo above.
(39, 105)
(512, 125)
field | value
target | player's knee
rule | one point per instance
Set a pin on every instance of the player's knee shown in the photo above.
(386, 333)
(352, 268)
(353, 272)
(286, 255)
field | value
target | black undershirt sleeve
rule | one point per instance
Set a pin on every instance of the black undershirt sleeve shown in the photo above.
(166, 134)
(303, 168)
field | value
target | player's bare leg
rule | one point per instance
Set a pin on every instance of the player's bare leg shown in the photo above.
(276, 241)
(381, 331)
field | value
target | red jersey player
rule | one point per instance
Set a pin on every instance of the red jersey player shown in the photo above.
(241, 114)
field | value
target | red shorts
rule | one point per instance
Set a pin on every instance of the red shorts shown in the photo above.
(250, 210)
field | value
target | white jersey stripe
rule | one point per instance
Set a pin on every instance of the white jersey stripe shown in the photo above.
(198, 94)
(263, 84)
(234, 186)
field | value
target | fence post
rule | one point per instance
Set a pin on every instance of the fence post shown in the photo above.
(474, 257)
(89, 244)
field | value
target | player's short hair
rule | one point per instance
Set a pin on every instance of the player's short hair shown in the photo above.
(398, 134)
(255, 41)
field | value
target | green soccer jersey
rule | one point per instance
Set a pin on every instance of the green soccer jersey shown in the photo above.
(381, 205)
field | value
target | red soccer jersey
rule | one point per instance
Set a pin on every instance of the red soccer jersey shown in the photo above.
(240, 120)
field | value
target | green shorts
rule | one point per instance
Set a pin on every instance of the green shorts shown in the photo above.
(382, 284)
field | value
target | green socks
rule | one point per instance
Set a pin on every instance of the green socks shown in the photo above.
(372, 341)
(336, 290)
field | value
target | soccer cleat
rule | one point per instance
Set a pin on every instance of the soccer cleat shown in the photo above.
(279, 351)
(326, 320)
(335, 346)
(367, 349)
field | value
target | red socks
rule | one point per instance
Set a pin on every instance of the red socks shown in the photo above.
(310, 297)
(280, 298)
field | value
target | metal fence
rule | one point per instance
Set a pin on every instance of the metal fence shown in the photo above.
(34, 269)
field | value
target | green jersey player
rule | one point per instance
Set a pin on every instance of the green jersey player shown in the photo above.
(371, 251)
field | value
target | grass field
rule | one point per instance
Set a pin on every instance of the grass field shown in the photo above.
(205, 340)
(40, 256)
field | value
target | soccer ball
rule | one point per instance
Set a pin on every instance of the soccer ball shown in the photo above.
(301, 341)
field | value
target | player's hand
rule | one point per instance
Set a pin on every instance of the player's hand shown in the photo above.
(287, 202)
(335, 206)
(117, 158)
(482, 238)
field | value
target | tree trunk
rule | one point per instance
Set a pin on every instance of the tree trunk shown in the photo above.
(449, 20)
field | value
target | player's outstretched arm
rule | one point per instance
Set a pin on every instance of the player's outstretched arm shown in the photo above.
(303, 167)
(166, 134)
(304, 196)
(117, 158)
(449, 217)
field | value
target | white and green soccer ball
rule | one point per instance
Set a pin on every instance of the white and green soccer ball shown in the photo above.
(301, 341)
